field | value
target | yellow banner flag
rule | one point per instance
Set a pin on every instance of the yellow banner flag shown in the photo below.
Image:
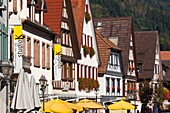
(18, 32)
(57, 49)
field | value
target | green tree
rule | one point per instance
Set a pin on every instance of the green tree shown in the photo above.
(145, 94)
(159, 94)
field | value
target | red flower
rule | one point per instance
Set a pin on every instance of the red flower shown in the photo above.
(129, 89)
(118, 88)
(113, 88)
(168, 95)
(107, 88)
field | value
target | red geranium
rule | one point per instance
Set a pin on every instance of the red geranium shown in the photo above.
(107, 88)
(168, 95)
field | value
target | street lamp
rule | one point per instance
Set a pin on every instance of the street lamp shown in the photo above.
(7, 70)
(43, 83)
(96, 91)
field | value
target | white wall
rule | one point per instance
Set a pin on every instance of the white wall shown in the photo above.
(88, 29)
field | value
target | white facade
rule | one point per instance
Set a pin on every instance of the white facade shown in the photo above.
(111, 83)
(93, 62)
(157, 65)
(18, 14)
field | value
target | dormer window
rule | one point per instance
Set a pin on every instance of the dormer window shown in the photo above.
(99, 25)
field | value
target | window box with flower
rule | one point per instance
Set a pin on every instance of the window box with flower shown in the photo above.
(129, 90)
(118, 89)
(85, 50)
(107, 88)
(92, 52)
(87, 17)
(113, 89)
(88, 84)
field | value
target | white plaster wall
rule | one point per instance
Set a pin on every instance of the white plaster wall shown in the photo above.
(157, 61)
(38, 72)
(88, 29)
(102, 82)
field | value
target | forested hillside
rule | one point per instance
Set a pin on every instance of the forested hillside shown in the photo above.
(147, 14)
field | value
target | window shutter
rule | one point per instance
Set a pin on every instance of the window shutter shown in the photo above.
(38, 53)
(48, 57)
(77, 71)
(43, 55)
(15, 6)
(35, 53)
(29, 46)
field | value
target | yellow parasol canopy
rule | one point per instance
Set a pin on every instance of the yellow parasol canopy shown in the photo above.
(121, 105)
(88, 104)
(60, 106)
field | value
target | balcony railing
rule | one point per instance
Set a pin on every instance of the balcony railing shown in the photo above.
(64, 85)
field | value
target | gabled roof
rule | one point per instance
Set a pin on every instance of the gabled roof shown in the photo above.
(53, 16)
(145, 52)
(104, 47)
(78, 12)
(165, 58)
(165, 55)
(120, 27)
(53, 19)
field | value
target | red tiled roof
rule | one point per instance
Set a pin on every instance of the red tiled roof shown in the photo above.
(53, 16)
(104, 47)
(145, 52)
(78, 12)
(165, 55)
(120, 27)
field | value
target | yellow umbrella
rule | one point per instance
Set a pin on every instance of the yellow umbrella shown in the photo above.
(121, 105)
(73, 106)
(60, 106)
(88, 104)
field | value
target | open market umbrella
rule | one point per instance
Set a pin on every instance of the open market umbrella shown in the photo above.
(34, 94)
(88, 104)
(121, 105)
(3, 100)
(22, 97)
(60, 106)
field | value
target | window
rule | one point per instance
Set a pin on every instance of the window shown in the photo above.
(131, 66)
(156, 48)
(78, 71)
(156, 70)
(85, 71)
(139, 68)
(89, 72)
(115, 60)
(113, 85)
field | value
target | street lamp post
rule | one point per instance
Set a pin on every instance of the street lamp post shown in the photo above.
(7, 70)
(96, 91)
(43, 83)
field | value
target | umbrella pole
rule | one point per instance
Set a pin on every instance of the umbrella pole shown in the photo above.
(7, 96)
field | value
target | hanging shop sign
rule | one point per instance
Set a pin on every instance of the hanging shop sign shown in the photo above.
(17, 48)
(57, 61)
